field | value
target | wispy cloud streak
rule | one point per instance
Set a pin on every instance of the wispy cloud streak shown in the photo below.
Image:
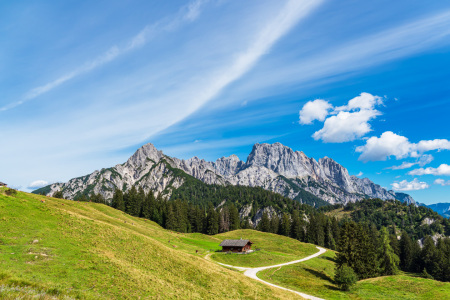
(186, 14)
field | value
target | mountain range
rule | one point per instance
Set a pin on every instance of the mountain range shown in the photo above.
(274, 167)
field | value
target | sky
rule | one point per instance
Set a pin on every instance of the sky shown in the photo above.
(83, 84)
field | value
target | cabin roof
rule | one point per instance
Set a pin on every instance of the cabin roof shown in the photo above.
(235, 243)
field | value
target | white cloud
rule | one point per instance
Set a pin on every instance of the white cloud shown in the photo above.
(409, 186)
(348, 123)
(391, 144)
(346, 126)
(314, 110)
(359, 174)
(423, 160)
(37, 184)
(442, 182)
(438, 144)
(386, 145)
(443, 169)
(363, 101)
(404, 165)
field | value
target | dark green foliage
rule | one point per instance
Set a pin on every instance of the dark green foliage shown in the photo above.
(264, 223)
(11, 192)
(132, 202)
(357, 249)
(388, 259)
(345, 277)
(285, 225)
(117, 200)
(58, 194)
(97, 198)
(407, 253)
(395, 214)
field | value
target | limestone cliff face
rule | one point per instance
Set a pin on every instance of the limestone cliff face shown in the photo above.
(273, 167)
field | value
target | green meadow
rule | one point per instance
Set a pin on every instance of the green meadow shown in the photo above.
(315, 277)
(77, 250)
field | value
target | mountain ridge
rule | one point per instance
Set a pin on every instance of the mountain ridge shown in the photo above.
(274, 167)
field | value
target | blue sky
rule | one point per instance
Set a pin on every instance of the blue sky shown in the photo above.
(84, 84)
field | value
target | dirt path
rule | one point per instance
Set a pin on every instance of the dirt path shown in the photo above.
(251, 272)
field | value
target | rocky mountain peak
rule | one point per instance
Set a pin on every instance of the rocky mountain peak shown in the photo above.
(228, 166)
(145, 153)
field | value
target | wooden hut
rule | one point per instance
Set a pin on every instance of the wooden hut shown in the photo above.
(3, 184)
(236, 245)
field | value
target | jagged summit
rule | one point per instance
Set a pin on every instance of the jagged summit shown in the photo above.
(273, 167)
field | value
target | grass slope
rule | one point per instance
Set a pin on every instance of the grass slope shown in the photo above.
(64, 248)
(315, 277)
(275, 249)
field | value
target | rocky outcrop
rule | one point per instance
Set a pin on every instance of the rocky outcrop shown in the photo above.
(273, 167)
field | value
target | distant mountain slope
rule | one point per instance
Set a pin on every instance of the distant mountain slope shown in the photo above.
(441, 208)
(273, 167)
(417, 221)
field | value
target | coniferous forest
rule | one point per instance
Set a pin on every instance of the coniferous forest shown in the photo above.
(372, 238)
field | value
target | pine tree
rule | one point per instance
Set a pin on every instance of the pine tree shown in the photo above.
(148, 206)
(212, 224)
(388, 259)
(296, 228)
(234, 217)
(117, 200)
(329, 239)
(274, 224)
(264, 223)
(406, 252)
(285, 225)
(132, 207)
(170, 219)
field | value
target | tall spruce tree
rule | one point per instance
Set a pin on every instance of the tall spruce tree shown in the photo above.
(406, 253)
(117, 200)
(264, 223)
(388, 259)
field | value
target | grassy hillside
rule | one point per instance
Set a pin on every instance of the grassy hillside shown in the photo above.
(275, 249)
(315, 277)
(85, 250)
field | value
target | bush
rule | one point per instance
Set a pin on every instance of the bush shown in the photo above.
(10, 192)
(345, 277)
(58, 194)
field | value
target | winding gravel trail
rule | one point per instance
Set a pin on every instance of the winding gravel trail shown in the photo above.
(251, 272)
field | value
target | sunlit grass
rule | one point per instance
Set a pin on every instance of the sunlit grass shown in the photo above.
(91, 251)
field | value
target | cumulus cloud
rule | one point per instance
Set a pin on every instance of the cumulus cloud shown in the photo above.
(363, 101)
(37, 184)
(346, 126)
(409, 186)
(391, 144)
(443, 169)
(442, 182)
(388, 144)
(314, 110)
(346, 123)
